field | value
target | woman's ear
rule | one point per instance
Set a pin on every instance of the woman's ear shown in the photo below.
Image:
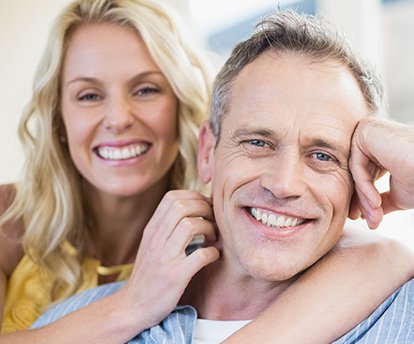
(206, 143)
(63, 138)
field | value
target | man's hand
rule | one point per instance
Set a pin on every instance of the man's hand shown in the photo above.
(380, 146)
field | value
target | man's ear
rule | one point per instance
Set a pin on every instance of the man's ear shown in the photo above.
(206, 143)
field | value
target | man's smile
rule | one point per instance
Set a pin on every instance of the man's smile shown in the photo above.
(272, 219)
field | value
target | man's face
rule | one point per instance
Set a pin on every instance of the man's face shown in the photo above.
(280, 179)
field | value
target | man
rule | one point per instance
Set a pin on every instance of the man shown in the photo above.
(277, 153)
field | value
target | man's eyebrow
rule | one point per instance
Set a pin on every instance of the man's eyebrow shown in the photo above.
(331, 144)
(253, 131)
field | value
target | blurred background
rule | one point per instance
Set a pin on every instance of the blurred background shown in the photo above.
(382, 31)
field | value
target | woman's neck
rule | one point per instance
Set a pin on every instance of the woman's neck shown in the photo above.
(118, 222)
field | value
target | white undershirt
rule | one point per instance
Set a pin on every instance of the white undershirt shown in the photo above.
(215, 331)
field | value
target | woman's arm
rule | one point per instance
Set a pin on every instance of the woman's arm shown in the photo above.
(161, 272)
(83, 327)
(334, 295)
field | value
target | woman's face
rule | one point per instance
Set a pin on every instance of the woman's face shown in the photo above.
(119, 111)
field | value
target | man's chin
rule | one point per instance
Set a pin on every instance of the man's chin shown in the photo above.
(272, 269)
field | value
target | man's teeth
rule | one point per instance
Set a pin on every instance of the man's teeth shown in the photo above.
(273, 220)
(122, 153)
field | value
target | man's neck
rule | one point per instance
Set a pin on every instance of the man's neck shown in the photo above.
(219, 293)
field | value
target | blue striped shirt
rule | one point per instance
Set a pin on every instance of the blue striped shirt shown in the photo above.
(390, 323)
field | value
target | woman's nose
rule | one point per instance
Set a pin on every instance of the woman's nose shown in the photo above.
(118, 114)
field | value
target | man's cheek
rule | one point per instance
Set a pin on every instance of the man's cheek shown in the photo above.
(344, 185)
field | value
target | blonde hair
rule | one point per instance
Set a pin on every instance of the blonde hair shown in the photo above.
(49, 195)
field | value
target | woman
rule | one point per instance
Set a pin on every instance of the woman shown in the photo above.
(75, 189)
(111, 128)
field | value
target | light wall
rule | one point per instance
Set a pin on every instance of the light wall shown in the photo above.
(23, 31)
(361, 21)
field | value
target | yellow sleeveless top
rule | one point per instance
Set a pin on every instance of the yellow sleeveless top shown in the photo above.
(28, 292)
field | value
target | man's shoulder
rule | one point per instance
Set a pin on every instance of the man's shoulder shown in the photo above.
(391, 322)
(76, 302)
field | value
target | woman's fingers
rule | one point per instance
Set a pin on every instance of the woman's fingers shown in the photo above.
(199, 259)
(186, 230)
(177, 200)
(174, 207)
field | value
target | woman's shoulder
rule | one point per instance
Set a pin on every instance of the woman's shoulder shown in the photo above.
(7, 194)
(11, 250)
(28, 294)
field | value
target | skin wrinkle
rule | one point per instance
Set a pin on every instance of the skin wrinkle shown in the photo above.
(235, 141)
(231, 158)
(338, 150)
(245, 134)
(277, 107)
(330, 140)
(265, 199)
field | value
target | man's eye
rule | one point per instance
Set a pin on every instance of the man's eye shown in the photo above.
(323, 156)
(258, 143)
(89, 97)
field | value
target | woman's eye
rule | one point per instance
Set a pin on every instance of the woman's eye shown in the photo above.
(89, 97)
(146, 90)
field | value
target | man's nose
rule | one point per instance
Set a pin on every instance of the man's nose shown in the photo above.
(284, 177)
(119, 114)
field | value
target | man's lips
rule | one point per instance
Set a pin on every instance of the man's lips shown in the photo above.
(273, 219)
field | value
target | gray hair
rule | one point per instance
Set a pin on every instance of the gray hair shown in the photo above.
(288, 31)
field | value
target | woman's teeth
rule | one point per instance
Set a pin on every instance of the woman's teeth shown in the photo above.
(122, 153)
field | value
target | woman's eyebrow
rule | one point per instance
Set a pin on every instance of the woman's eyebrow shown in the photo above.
(83, 79)
(95, 80)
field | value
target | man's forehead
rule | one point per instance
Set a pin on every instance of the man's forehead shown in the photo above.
(300, 74)
(297, 95)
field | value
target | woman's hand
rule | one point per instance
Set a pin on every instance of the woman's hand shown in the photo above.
(162, 269)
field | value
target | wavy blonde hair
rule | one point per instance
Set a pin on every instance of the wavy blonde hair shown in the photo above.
(49, 195)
